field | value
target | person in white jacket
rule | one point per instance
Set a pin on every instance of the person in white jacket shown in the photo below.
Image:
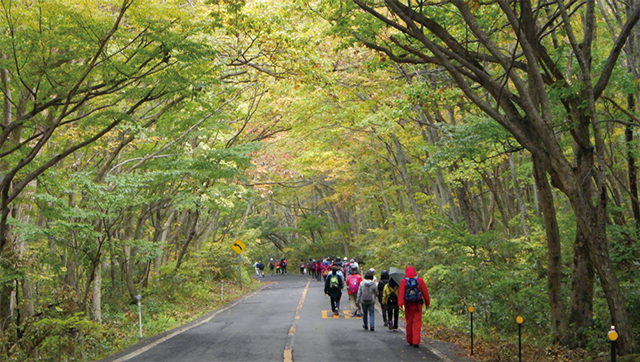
(367, 293)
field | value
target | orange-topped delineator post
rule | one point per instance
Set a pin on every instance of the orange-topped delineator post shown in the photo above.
(471, 310)
(613, 337)
(519, 320)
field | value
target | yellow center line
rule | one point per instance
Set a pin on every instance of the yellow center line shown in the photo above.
(288, 348)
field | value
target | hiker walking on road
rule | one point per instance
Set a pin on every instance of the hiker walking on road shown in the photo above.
(319, 270)
(337, 262)
(272, 266)
(353, 283)
(367, 293)
(312, 269)
(333, 288)
(326, 268)
(390, 304)
(412, 295)
(353, 262)
(255, 265)
(283, 266)
(302, 266)
(384, 280)
(261, 268)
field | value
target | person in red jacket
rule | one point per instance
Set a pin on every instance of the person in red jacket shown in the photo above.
(413, 308)
(353, 283)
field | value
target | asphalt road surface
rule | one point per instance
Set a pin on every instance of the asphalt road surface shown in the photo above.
(288, 319)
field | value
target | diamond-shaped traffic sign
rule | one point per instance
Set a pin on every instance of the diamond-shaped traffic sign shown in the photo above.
(238, 246)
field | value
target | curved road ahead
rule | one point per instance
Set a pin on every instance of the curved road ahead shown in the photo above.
(288, 319)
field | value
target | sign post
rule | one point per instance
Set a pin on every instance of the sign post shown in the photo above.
(519, 320)
(613, 336)
(238, 246)
(471, 310)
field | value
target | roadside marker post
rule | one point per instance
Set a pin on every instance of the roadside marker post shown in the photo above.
(613, 337)
(471, 310)
(519, 320)
(138, 298)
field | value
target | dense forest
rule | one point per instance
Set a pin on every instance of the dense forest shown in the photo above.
(491, 145)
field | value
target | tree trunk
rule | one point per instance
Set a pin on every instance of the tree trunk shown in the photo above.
(631, 166)
(581, 298)
(494, 188)
(190, 236)
(164, 233)
(393, 165)
(516, 189)
(554, 254)
(430, 136)
(402, 162)
(385, 202)
(97, 294)
(466, 207)
(129, 259)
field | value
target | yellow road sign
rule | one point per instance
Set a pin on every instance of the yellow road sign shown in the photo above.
(238, 246)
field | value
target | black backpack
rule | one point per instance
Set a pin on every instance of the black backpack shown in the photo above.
(393, 299)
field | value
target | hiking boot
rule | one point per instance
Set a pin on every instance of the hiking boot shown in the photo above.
(371, 329)
(385, 324)
(390, 327)
(416, 346)
(364, 327)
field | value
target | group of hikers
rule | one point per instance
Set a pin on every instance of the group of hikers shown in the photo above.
(410, 295)
(318, 270)
(279, 266)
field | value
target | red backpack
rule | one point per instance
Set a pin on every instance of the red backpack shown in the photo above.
(354, 283)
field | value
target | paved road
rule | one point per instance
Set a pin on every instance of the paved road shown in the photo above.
(288, 319)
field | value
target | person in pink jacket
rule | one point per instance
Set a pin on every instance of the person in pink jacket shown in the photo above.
(326, 268)
(413, 294)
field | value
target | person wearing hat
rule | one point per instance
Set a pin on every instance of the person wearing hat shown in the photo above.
(413, 294)
(333, 286)
(384, 280)
(353, 262)
(325, 268)
(390, 302)
(373, 271)
(272, 265)
(353, 282)
(367, 293)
